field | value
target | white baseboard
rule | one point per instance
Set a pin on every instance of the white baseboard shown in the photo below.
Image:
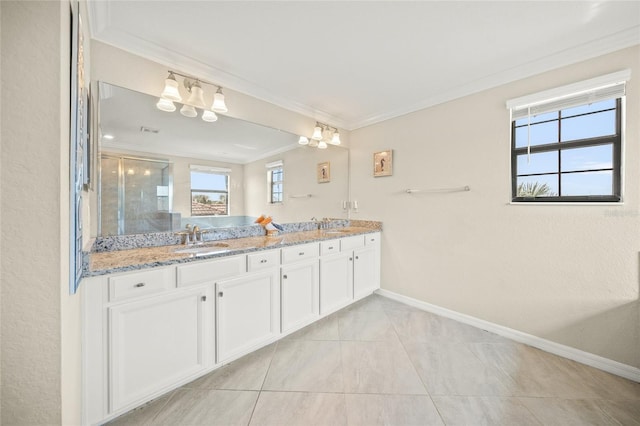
(592, 360)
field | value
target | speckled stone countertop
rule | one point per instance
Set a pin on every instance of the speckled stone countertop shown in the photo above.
(101, 263)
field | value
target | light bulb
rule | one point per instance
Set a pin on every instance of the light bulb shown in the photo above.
(303, 140)
(317, 133)
(165, 105)
(322, 145)
(188, 111)
(209, 116)
(218, 101)
(335, 140)
(197, 96)
(170, 91)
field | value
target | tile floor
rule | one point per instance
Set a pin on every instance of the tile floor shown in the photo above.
(380, 362)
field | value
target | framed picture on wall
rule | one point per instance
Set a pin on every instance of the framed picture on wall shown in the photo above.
(324, 172)
(383, 163)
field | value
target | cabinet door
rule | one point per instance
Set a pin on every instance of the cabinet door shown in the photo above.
(156, 342)
(247, 313)
(300, 294)
(336, 282)
(365, 278)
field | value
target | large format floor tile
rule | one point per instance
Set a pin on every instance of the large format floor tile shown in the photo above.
(246, 373)
(379, 367)
(538, 374)
(304, 365)
(366, 326)
(397, 410)
(210, 407)
(561, 412)
(381, 362)
(323, 329)
(477, 411)
(142, 415)
(299, 408)
(453, 369)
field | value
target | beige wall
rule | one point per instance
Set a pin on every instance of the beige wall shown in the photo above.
(564, 273)
(40, 321)
(300, 166)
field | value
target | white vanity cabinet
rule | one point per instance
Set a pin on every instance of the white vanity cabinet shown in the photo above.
(366, 266)
(156, 342)
(300, 286)
(336, 281)
(148, 331)
(248, 309)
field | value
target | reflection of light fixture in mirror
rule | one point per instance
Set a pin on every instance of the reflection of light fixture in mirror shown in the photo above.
(171, 94)
(335, 139)
(197, 94)
(131, 172)
(218, 101)
(209, 116)
(170, 91)
(323, 134)
(317, 133)
(147, 172)
(108, 136)
(188, 111)
(165, 105)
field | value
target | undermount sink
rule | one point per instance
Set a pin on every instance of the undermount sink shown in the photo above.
(335, 231)
(206, 249)
(202, 251)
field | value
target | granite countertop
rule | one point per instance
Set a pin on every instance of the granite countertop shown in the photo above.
(102, 263)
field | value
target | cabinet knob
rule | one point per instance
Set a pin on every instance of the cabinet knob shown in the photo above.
(301, 253)
(203, 298)
(351, 258)
(139, 285)
(220, 294)
(330, 247)
(357, 258)
(284, 277)
(263, 261)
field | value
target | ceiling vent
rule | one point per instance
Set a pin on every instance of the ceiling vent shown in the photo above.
(144, 129)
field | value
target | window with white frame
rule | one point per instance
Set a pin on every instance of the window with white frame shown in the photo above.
(275, 182)
(209, 191)
(566, 143)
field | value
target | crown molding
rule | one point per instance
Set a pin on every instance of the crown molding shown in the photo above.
(99, 20)
(618, 41)
(99, 16)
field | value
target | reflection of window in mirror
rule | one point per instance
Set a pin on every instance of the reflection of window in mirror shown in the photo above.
(209, 191)
(275, 182)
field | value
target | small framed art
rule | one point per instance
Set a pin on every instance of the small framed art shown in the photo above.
(324, 172)
(383, 163)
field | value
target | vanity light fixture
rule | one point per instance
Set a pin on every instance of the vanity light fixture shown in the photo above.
(170, 91)
(171, 94)
(323, 134)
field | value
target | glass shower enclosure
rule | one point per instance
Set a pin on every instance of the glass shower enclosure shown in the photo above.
(135, 196)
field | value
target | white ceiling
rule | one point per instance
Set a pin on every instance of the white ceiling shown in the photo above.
(356, 63)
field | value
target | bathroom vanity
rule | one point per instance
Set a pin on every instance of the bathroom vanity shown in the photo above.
(167, 320)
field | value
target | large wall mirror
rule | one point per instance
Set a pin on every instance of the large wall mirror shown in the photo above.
(160, 170)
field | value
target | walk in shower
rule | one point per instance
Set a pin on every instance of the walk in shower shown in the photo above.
(135, 196)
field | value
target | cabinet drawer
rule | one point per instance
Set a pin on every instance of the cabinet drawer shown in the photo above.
(350, 243)
(136, 284)
(301, 252)
(263, 260)
(329, 247)
(212, 270)
(372, 239)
